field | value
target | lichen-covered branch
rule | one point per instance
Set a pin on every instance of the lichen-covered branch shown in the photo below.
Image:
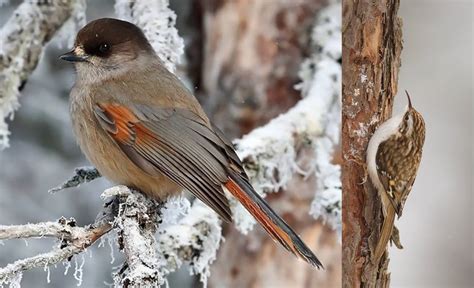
(22, 40)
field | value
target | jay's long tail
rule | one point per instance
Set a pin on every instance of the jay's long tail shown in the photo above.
(270, 221)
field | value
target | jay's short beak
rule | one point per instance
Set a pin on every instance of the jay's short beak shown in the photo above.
(73, 57)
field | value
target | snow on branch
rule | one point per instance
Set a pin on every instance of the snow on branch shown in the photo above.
(22, 40)
(192, 234)
(136, 225)
(185, 233)
(72, 240)
(157, 21)
(327, 42)
(270, 152)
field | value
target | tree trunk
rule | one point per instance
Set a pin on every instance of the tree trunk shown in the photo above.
(372, 43)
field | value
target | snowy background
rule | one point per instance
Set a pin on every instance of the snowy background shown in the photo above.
(437, 69)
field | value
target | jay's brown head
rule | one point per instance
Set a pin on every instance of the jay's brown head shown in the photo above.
(108, 44)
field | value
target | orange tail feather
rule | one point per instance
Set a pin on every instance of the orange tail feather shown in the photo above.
(269, 220)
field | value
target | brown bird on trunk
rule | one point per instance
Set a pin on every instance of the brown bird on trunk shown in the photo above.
(140, 127)
(393, 157)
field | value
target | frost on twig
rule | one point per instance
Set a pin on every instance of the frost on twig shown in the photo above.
(184, 233)
(81, 175)
(157, 21)
(22, 39)
(193, 234)
(72, 240)
(136, 225)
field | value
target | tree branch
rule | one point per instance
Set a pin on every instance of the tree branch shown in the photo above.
(157, 21)
(136, 224)
(81, 175)
(73, 240)
(22, 39)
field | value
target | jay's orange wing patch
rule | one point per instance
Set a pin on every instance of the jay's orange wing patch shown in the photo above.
(171, 142)
(128, 129)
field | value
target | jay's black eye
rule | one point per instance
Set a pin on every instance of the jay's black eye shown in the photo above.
(104, 48)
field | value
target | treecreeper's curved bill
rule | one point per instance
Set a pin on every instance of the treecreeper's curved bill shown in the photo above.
(140, 127)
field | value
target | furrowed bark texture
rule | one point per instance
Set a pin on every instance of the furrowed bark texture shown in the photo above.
(372, 43)
(250, 59)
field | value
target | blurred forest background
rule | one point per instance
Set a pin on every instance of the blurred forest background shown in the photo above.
(437, 227)
(242, 61)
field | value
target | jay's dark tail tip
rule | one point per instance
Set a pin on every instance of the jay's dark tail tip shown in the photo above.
(270, 221)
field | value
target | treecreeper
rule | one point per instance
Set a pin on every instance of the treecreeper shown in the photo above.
(393, 157)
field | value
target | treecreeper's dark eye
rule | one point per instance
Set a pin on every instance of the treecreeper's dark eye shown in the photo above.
(103, 48)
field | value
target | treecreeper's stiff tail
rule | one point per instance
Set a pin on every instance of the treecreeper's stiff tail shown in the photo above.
(385, 234)
(270, 221)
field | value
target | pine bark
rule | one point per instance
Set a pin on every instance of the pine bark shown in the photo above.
(372, 44)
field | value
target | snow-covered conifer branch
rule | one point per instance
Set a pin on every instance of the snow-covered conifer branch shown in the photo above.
(22, 39)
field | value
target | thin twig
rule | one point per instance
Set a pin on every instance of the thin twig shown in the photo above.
(81, 175)
(73, 241)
